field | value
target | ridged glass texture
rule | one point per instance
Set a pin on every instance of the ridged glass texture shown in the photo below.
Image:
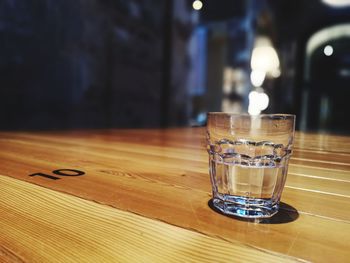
(248, 162)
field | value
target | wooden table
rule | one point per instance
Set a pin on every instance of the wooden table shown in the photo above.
(144, 197)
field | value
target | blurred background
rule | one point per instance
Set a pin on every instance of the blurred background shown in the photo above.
(165, 63)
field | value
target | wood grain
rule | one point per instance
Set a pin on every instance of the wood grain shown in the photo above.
(162, 174)
(41, 225)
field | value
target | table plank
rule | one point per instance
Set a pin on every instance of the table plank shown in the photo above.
(322, 142)
(166, 166)
(175, 145)
(139, 171)
(326, 173)
(41, 225)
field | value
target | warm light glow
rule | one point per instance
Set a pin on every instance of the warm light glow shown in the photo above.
(258, 101)
(197, 5)
(257, 77)
(337, 3)
(276, 73)
(265, 58)
(328, 50)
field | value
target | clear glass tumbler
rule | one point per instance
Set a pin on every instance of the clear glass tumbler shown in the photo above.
(248, 160)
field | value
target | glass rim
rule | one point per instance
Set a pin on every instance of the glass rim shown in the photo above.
(272, 115)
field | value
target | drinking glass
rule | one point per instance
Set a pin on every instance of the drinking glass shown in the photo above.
(248, 161)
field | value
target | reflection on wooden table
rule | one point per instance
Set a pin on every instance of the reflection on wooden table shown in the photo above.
(145, 196)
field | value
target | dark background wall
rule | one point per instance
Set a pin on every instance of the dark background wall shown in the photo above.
(84, 63)
(158, 63)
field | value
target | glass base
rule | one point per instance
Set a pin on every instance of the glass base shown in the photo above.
(246, 207)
